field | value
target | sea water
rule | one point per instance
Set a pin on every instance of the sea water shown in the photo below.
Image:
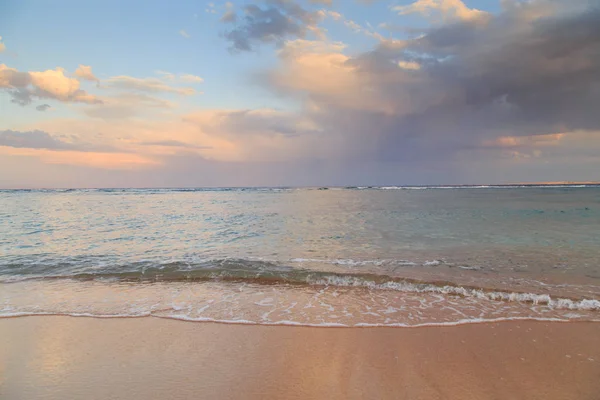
(380, 256)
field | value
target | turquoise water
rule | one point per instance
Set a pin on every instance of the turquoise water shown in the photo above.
(488, 252)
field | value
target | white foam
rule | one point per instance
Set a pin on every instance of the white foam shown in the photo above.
(469, 268)
(265, 302)
(325, 302)
(463, 322)
(536, 299)
(432, 263)
(247, 322)
(351, 262)
(340, 261)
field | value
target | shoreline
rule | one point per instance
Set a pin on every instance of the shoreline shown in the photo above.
(292, 324)
(56, 357)
(397, 305)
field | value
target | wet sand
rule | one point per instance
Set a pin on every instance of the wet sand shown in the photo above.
(151, 358)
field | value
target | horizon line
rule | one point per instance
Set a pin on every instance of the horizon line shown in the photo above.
(557, 183)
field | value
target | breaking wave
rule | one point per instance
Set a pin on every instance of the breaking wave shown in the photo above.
(266, 273)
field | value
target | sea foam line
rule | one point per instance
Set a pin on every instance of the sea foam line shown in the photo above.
(536, 299)
(287, 323)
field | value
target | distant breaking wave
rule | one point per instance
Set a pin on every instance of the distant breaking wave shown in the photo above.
(288, 189)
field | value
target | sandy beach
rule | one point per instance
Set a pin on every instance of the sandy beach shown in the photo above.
(149, 358)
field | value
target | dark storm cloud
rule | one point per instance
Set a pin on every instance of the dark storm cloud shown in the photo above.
(274, 22)
(534, 69)
(536, 73)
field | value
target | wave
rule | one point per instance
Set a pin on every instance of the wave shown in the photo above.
(462, 291)
(268, 273)
(90, 267)
(468, 187)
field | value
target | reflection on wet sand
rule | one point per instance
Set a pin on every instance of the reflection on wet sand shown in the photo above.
(150, 358)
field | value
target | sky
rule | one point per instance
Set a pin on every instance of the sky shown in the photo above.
(298, 92)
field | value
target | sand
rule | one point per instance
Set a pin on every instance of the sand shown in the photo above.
(149, 358)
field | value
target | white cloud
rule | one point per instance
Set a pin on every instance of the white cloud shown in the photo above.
(2, 46)
(334, 14)
(184, 34)
(188, 78)
(320, 71)
(49, 84)
(448, 9)
(352, 25)
(85, 72)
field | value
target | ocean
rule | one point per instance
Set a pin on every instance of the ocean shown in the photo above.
(357, 256)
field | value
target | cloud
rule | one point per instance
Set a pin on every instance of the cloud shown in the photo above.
(322, 2)
(409, 65)
(174, 143)
(127, 105)
(167, 76)
(99, 160)
(449, 10)
(353, 25)
(273, 23)
(508, 97)
(247, 122)
(2, 45)
(261, 135)
(150, 138)
(149, 85)
(50, 84)
(85, 72)
(210, 9)
(43, 107)
(188, 78)
(322, 74)
(334, 15)
(230, 15)
(184, 34)
(532, 70)
(42, 140)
